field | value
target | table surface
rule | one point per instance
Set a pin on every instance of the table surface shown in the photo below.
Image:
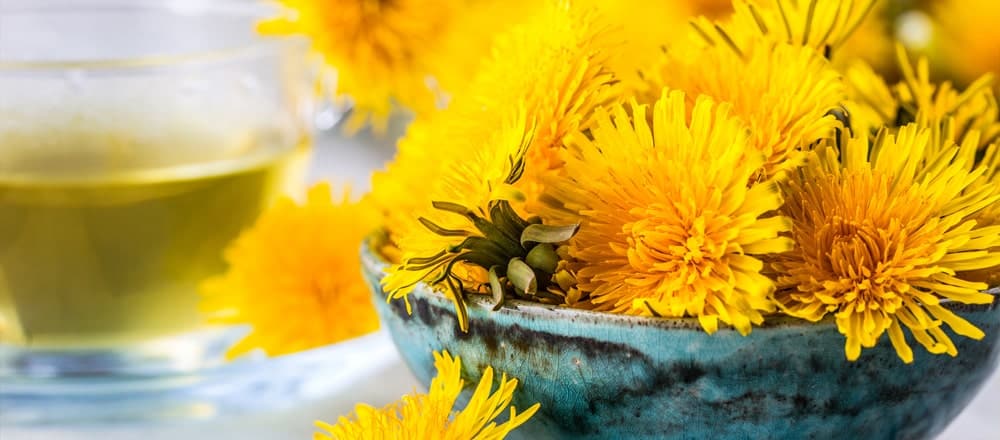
(351, 161)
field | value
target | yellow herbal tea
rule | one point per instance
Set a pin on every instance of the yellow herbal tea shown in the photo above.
(104, 240)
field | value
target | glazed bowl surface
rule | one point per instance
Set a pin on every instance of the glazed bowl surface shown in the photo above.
(605, 376)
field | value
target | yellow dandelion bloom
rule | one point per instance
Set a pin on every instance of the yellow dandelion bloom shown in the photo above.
(401, 189)
(917, 99)
(967, 37)
(545, 78)
(295, 277)
(840, 30)
(645, 29)
(551, 67)
(556, 66)
(469, 38)
(431, 250)
(668, 224)
(880, 233)
(382, 51)
(433, 415)
(872, 104)
(871, 42)
(989, 160)
(784, 93)
(973, 109)
(824, 26)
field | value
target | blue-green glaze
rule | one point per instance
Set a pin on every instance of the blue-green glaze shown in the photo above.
(603, 376)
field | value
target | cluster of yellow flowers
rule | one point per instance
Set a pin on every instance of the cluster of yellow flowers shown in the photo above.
(745, 167)
(767, 157)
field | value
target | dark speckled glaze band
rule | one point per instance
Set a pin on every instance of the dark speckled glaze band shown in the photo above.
(604, 376)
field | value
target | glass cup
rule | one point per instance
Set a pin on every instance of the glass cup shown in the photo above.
(137, 139)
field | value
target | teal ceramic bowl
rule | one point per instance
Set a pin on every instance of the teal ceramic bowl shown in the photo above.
(604, 376)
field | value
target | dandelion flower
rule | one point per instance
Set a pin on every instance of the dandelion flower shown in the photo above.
(418, 164)
(784, 93)
(381, 51)
(557, 67)
(842, 31)
(824, 26)
(429, 250)
(645, 29)
(468, 40)
(552, 68)
(871, 42)
(433, 415)
(916, 98)
(295, 277)
(989, 161)
(872, 103)
(668, 224)
(542, 86)
(880, 234)
(973, 109)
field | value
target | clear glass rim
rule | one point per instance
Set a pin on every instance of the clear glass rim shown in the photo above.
(247, 8)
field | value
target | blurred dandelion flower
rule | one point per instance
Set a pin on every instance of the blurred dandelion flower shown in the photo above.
(872, 40)
(433, 415)
(954, 114)
(552, 68)
(402, 188)
(872, 103)
(785, 94)
(545, 78)
(295, 276)
(824, 26)
(669, 226)
(974, 109)
(456, 233)
(770, 59)
(556, 67)
(407, 53)
(880, 233)
(841, 31)
(645, 29)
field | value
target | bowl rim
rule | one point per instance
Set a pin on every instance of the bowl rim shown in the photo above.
(374, 262)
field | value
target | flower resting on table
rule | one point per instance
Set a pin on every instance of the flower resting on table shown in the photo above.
(881, 231)
(295, 276)
(433, 415)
